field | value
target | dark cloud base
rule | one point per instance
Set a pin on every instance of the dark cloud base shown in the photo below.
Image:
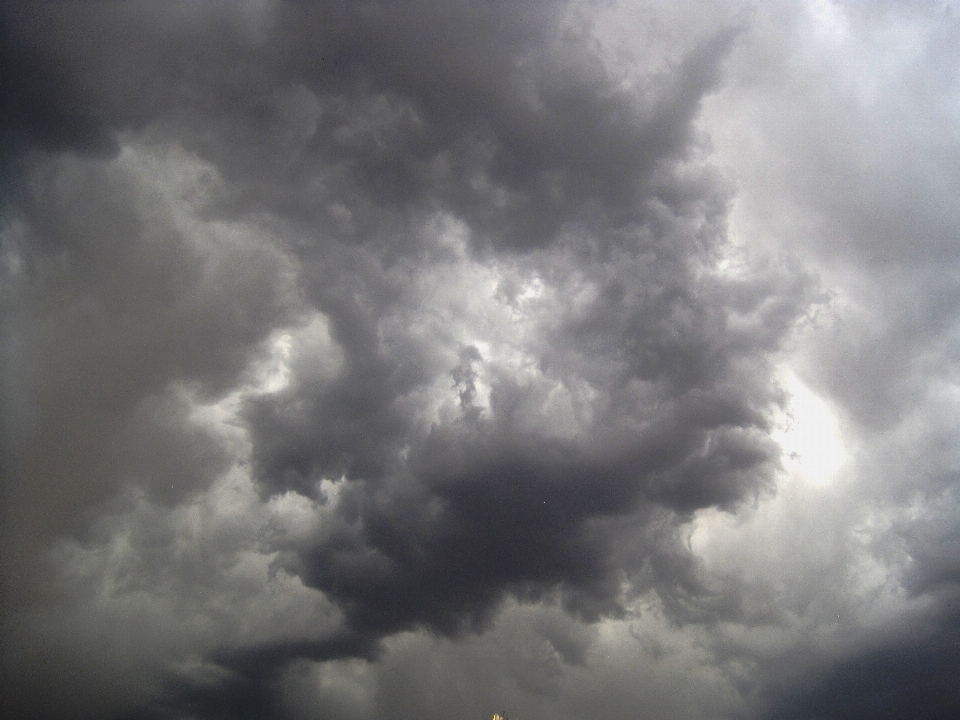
(891, 682)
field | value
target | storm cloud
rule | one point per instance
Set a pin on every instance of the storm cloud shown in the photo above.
(568, 359)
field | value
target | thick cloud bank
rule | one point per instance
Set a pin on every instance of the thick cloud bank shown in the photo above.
(440, 358)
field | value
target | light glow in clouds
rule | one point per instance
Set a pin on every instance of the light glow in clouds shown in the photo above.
(809, 433)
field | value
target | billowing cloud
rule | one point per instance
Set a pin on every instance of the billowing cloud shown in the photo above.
(449, 358)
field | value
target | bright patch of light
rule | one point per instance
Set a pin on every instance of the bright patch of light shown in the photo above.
(829, 20)
(276, 373)
(809, 434)
(532, 290)
(481, 381)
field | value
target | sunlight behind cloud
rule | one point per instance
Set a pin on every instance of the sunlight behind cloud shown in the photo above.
(809, 433)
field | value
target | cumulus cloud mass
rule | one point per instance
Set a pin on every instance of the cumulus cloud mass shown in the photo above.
(442, 358)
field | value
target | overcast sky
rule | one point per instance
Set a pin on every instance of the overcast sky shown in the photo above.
(579, 361)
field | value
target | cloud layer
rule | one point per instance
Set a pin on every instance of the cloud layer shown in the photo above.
(454, 358)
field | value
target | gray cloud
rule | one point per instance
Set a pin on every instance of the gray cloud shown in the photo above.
(420, 543)
(363, 356)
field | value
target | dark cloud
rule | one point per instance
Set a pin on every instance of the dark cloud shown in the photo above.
(440, 522)
(245, 684)
(345, 340)
(38, 107)
(895, 681)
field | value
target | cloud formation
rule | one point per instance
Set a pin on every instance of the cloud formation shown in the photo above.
(365, 357)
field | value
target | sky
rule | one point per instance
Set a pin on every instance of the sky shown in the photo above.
(573, 360)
